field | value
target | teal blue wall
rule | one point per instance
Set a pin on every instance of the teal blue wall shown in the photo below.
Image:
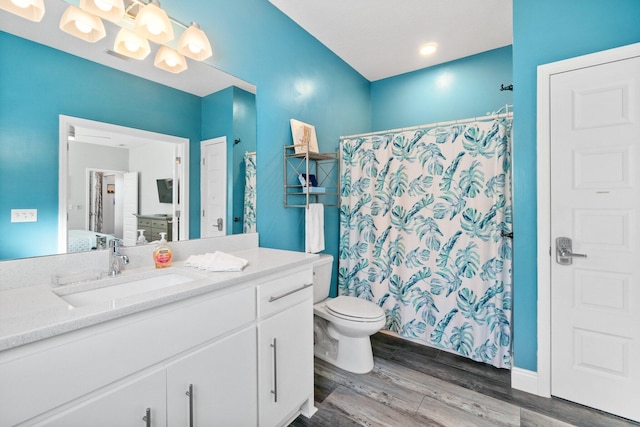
(244, 140)
(217, 120)
(32, 95)
(231, 112)
(547, 31)
(296, 77)
(468, 87)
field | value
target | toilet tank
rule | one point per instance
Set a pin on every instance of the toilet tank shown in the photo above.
(322, 277)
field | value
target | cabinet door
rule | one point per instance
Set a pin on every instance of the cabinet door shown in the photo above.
(223, 381)
(285, 358)
(122, 406)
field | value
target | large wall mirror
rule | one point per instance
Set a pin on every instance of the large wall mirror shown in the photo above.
(69, 104)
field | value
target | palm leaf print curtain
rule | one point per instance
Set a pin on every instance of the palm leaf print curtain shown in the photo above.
(96, 209)
(422, 221)
(249, 225)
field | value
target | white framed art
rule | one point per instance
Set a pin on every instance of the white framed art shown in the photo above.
(304, 137)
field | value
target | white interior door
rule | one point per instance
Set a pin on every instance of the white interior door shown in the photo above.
(213, 187)
(130, 204)
(595, 193)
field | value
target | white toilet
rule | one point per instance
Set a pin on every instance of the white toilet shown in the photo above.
(343, 325)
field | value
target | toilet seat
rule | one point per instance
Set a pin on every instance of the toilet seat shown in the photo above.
(354, 309)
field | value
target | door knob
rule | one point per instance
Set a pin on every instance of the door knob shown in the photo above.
(219, 224)
(564, 254)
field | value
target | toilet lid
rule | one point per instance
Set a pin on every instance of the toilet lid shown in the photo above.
(354, 307)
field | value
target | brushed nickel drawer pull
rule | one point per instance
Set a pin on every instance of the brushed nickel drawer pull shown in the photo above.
(147, 417)
(272, 299)
(190, 394)
(274, 391)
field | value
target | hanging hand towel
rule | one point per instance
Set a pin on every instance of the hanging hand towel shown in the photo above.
(314, 228)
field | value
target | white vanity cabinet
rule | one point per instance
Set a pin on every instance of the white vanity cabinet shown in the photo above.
(285, 348)
(238, 354)
(212, 386)
(108, 374)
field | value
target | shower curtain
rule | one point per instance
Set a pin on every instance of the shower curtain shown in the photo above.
(249, 224)
(95, 202)
(424, 216)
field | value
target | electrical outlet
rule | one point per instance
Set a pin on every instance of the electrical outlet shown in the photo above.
(24, 215)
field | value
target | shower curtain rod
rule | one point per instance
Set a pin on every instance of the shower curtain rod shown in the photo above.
(493, 116)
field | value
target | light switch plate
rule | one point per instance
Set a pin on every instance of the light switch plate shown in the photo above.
(24, 215)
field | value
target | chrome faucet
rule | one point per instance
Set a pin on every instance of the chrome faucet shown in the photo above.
(115, 258)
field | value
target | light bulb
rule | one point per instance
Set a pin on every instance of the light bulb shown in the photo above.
(21, 3)
(171, 62)
(82, 26)
(195, 48)
(103, 5)
(132, 45)
(154, 27)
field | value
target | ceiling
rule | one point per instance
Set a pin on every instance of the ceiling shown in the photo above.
(381, 38)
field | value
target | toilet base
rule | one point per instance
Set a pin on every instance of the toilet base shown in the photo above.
(353, 355)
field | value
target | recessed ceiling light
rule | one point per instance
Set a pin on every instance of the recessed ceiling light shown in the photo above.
(428, 48)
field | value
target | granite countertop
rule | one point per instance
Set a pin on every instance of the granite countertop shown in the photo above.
(33, 313)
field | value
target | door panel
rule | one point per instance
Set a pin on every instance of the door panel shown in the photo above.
(595, 301)
(214, 187)
(130, 202)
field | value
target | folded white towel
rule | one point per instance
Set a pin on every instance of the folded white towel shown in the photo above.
(217, 261)
(314, 228)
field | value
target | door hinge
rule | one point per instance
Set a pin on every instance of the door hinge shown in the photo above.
(177, 215)
(202, 212)
(203, 162)
(178, 160)
(549, 250)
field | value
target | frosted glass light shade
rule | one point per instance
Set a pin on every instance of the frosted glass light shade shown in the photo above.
(153, 23)
(131, 44)
(82, 25)
(33, 10)
(111, 10)
(194, 43)
(170, 60)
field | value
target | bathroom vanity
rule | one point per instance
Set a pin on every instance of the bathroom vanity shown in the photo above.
(200, 349)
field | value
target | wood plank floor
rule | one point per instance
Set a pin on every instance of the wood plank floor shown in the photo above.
(414, 385)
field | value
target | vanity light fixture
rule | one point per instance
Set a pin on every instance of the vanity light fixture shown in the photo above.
(111, 10)
(170, 60)
(194, 43)
(131, 44)
(153, 23)
(33, 10)
(81, 24)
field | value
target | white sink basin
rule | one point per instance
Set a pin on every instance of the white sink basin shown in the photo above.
(125, 289)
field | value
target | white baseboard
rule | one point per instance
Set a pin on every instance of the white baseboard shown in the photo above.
(524, 380)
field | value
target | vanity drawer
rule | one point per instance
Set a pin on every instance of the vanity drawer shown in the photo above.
(144, 222)
(159, 223)
(277, 294)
